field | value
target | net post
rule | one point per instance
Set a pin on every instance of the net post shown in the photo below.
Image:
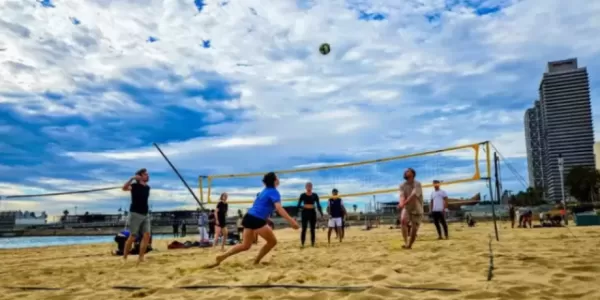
(200, 188)
(488, 161)
(208, 192)
(497, 194)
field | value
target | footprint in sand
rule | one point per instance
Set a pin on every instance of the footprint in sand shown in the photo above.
(588, 268)
(377, 277)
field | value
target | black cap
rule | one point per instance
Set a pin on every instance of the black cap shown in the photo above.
(334, 191)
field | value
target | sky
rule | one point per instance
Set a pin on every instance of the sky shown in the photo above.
(230, 87)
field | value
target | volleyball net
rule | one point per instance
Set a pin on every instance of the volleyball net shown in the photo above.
(466, 168)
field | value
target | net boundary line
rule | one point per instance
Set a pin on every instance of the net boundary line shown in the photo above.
(357, 288)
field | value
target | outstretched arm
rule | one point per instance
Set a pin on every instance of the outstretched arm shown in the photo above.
(282, 212)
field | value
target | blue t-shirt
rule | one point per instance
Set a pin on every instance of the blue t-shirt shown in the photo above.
(264, 204)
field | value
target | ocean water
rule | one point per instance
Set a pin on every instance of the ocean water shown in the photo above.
(47, 241)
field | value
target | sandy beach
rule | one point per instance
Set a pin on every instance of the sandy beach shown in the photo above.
(548, 263)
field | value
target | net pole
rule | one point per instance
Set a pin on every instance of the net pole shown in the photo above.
(200, 188)
(209, 189)
(497, 195)
(179, 175)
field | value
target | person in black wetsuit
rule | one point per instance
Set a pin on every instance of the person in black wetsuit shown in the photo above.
(308, 200)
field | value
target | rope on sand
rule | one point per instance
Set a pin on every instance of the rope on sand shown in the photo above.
(491, 265)
(254, 286)
(294, 286)
(32, 288)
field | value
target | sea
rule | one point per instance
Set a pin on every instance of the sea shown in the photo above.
(48, 241)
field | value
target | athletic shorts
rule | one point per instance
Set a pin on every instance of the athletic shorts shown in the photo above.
(222, 222)
(335, 222)
(411, 218)
(138, 223)
(251, 222)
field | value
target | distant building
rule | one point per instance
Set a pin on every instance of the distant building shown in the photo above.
(597, 154)
(534, 145)
(566, 115)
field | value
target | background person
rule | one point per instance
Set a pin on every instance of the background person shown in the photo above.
(307, 201)
(221, 221)
(139, 221)
(439, 206)
(336, 212)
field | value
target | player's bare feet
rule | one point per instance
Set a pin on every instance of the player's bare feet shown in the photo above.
(217, 262)
(140, 260)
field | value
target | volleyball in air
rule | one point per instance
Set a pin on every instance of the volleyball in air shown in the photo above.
(324, 49)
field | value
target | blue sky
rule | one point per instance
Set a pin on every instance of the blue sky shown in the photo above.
(233, 86)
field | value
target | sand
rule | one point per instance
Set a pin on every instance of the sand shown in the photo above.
(546, 263)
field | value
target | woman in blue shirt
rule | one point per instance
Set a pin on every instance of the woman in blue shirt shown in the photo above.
(255, 221)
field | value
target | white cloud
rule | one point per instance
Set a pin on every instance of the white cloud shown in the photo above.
(387, 88)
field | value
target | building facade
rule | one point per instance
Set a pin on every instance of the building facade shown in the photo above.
(533, 143)
(597, 154)
(566, 116)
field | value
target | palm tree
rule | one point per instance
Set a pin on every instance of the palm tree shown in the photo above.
(354, 207)
(64, 216)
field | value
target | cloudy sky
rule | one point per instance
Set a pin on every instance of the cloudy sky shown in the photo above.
(234, 86)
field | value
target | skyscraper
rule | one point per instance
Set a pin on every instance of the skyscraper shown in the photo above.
(533, 143)
(566, 122)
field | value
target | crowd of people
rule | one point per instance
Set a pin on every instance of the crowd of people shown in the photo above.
(256, 222)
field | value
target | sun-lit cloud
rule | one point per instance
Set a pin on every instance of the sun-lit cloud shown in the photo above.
(88, 87)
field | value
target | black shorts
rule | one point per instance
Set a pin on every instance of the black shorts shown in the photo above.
(252, 222)
(222, 222)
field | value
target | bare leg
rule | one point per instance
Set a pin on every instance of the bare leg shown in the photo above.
(217, 234)
(143, 246)
(413, 234)
(339, 233)
(266, 233)
(405, 234)
(244, 246)
(329, 235)
(225, 235)
(128, 245)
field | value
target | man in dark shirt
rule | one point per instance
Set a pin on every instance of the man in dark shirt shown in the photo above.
(336, 212)
(139, 222)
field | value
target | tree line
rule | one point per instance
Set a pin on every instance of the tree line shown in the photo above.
(581, 183)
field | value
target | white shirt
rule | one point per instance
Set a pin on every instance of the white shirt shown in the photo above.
(438, 200)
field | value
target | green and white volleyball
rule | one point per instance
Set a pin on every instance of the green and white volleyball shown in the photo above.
(324, 49)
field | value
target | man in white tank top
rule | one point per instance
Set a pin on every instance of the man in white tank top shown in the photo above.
(438, 206)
